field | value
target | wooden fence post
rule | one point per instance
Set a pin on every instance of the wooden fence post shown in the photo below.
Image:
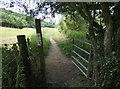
(25, 59)
(40, 46)
(28, 41)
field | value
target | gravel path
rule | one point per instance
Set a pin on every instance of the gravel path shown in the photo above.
(60, 71)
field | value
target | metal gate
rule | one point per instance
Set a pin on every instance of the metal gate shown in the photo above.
(81, 57)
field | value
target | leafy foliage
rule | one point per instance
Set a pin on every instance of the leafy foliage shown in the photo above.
(68, 27)
(12, 75)
(16, 20)
(47, 24)
(98, 16)
(12, 19)
(75, 22)
(75, 27)
(110, 70)
(104, 32)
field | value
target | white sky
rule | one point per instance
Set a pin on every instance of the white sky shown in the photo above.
(31, 5)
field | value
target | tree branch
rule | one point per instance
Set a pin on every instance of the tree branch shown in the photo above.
(79, 10)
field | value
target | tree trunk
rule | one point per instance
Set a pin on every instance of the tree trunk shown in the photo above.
(117, 28)
(95, 52)
(109, 29)
(108, 40)
(118, 42)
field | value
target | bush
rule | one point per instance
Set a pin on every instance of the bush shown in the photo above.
(110, 71)
(72, 28)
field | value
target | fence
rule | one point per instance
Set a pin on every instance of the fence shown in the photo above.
(9, 51)
(9, 63)
(26, 60)
(81, 57)
(16, 63)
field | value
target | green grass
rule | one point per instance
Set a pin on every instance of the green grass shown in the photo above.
(46, 33)
(63, 42)
(65, 39)
(33, 49)
(9, 34)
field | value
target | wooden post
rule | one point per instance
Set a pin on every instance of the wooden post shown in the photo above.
(40, 46)
(25, 59)
(28, 41)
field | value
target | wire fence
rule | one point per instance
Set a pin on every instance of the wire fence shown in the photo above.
(21, 65)
(13, 67)
(10, 55)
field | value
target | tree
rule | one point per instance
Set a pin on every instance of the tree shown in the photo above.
(104, 27)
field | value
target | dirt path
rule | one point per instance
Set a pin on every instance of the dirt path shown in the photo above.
(60, 71)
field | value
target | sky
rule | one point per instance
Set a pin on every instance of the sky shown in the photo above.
(16, 6)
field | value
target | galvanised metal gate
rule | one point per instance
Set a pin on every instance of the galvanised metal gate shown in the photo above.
(81, 57)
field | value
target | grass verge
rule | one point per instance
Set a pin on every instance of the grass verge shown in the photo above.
(34, 47)
(46, 33)
(65, 40)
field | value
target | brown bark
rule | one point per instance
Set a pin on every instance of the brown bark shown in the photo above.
(94, 40)
(117, 29)
(118, 42)
(109, 29)
(95, 56)
(108, 41)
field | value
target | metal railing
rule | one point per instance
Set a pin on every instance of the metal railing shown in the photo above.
(79, 60)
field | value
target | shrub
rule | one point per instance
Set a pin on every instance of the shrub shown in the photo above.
(110, 71)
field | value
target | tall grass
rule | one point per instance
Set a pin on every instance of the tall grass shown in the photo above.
(65, 40)
(34, 48)
(46, 33)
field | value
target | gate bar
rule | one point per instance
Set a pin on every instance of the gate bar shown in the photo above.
(83, 42)
(81, 49)
(80, 56)
(79, 68)
(80, 63)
